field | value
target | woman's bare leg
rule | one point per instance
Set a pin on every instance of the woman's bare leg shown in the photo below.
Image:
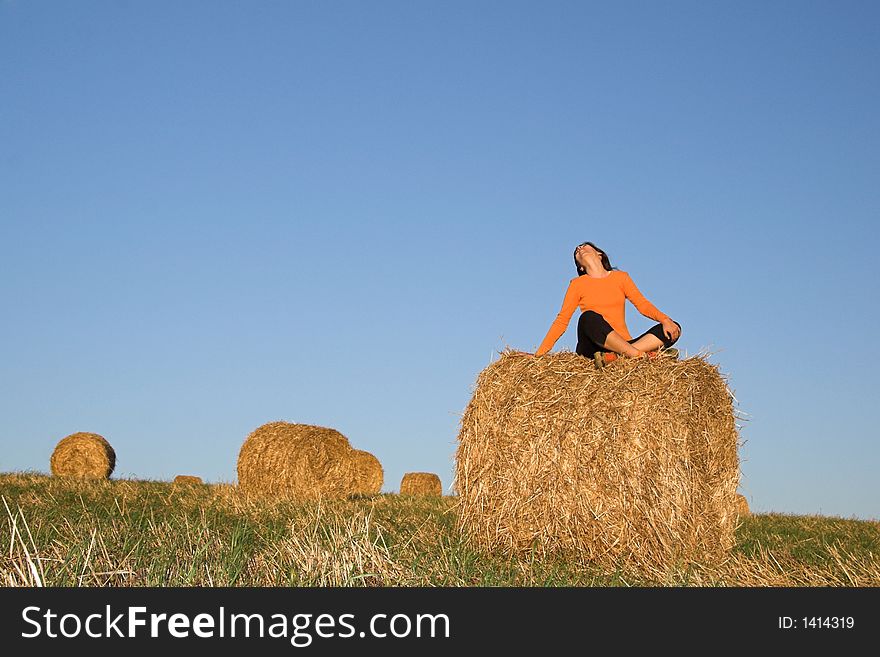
(617, 344)
(648, 342)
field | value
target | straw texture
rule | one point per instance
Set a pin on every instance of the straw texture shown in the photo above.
(742, 505)
(633, 465)
(287, 460)
(187, 479)
(421, 483)
(83, 455)
(368, 474)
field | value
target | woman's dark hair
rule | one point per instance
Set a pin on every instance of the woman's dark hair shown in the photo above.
(604, 256)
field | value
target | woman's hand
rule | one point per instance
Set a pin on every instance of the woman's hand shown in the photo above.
(670, 329)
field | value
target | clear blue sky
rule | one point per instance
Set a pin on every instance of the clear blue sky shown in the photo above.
(220, 214)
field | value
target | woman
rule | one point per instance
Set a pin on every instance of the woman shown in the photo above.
(601, 293)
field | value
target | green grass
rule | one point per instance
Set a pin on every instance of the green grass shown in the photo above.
(58, 532)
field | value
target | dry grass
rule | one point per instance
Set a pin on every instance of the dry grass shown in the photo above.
(83, 455)
(632, 466)
(327, 548)
(63, 532)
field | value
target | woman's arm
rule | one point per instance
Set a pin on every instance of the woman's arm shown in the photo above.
(557, 328)
(648, 309)
(640, 302)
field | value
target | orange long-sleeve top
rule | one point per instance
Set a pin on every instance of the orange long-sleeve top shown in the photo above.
(607, 296)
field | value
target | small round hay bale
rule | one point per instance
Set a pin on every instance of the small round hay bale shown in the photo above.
(633, 466)
(287, 460)
(368, 474)
(742, 505)
(83, 455)
(188, 479)
(421, 483)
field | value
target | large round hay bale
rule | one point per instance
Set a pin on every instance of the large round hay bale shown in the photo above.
(421, 483)
(742, 505)
(83, 455)
(283, 459)
(368, 474)
(634, 465)
(187, 479)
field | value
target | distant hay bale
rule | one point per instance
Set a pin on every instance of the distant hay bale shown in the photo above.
(421, 483)
(634, 465)
(368, 474)
(83, 455)
(287, 460)
(742, 505)
(187, 479)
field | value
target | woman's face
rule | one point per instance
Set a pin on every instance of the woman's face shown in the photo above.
(586, 252)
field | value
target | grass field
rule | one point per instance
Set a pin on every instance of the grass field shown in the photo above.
(145, 533)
